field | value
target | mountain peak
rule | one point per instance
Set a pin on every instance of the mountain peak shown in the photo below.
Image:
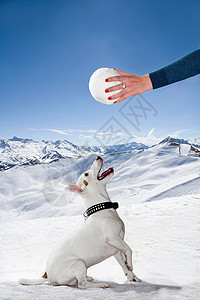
(16, 139)
(174, 140)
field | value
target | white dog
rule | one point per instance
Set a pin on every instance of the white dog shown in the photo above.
(100, 237)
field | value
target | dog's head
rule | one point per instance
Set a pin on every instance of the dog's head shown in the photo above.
(91, 181)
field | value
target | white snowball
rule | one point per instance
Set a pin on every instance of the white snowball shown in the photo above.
(97, 85)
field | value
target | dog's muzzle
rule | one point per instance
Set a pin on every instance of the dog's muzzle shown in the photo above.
(99, 158)
(105, 173)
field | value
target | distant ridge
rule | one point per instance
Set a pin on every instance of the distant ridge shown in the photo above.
(20, 151)
(24, 151)
(16, 139)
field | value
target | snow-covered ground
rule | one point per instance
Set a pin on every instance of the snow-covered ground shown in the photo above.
(158, 191)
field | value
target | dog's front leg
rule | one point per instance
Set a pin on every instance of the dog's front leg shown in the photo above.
(129, 274)
(119, 244)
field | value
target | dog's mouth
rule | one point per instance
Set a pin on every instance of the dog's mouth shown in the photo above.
(104, 174)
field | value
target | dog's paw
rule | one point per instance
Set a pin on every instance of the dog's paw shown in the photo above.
(87, 284)
(104, 285)
(89, 278)
(136, 279)
(132, 277)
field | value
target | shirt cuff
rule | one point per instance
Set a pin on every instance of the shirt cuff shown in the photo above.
(158, 79)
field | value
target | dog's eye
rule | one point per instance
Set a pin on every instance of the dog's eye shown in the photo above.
(86, 174)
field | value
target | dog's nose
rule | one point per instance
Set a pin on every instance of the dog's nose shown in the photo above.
(99, 157)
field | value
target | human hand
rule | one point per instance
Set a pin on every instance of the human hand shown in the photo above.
(135, 85)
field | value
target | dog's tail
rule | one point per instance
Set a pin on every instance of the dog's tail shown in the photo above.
(34, 281)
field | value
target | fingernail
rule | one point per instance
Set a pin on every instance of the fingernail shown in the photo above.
(109, 98)
(106, 80)
(106, 91)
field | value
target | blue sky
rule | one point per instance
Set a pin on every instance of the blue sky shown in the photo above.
(49, 49)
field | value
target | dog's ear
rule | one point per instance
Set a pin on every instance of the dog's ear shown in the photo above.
(73, 187)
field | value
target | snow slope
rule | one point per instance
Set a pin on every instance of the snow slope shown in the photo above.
(158, 192)
(165, 254)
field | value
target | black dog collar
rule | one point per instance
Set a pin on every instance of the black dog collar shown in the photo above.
(100, 206)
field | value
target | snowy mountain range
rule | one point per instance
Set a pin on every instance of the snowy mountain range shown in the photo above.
(18, 151)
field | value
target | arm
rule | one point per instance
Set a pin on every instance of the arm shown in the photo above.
(183, 68)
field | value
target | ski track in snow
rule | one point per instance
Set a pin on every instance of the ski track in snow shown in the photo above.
(159, 196)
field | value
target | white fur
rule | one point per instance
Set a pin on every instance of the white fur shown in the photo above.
(101, 236)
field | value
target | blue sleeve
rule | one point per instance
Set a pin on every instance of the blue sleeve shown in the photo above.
(183, 68)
